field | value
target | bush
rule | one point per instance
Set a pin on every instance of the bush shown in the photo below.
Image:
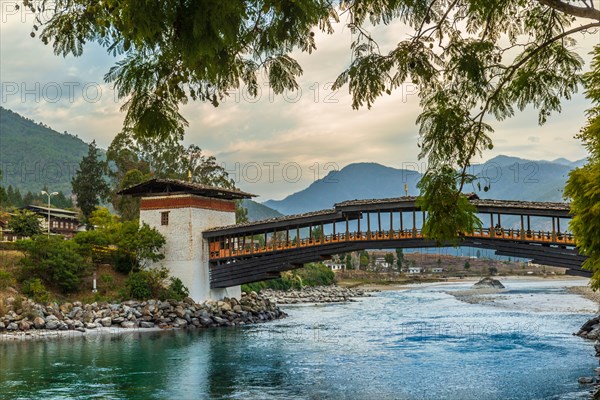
(35, 289)
(139, 285)
(151, 284)
(310, 275)
(6, 279)
(316, 275)
(55, 261)
(176, 290)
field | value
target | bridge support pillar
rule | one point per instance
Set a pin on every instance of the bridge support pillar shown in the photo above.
(181, 219)
(181, 211)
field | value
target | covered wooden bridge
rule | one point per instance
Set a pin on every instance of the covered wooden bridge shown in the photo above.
(260, 250)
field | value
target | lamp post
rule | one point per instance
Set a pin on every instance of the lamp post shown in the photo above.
(49, 196)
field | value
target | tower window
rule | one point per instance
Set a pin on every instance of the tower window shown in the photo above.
(164, 218)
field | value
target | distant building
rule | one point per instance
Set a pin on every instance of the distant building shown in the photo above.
(6, 235)
(414, 270)
(437, 270)
(62, 222)
(333, 265)
(381, 264)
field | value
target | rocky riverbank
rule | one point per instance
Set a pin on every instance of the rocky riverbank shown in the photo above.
(316, 294)
(28, 316)
(591, 331)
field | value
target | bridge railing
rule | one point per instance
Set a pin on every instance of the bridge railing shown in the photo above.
(226, 249)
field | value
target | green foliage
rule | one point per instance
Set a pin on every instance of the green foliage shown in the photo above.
(102, 218)
(492, 271)
(3, 195)
(30, 146)
(55, 261)
(313, 274)
(140, 285)
(349, 261)
(136, 160)
(25, 223)
(316, 274)
(389, 258)
(176, 290)
(6, 279)
(184, 50)
(35, 289)
(152, 284)
(399, 257)
(241, 212)
(88, 184)
(129, 245)
(449, 213)
(583, 186)
(467, 265)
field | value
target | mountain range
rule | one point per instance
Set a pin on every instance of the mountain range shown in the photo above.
(33, 155)
(504, 177)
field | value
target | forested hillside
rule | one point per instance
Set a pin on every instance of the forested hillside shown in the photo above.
(33, 155)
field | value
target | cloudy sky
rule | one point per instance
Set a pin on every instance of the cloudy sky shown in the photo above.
(272, 146)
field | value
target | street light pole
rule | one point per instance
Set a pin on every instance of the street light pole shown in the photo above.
(49, 196)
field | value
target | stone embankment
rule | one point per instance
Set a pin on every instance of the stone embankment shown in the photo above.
(591, 330)
(28, 315)
(316, 294)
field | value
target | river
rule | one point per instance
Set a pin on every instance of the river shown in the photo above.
(421, 343)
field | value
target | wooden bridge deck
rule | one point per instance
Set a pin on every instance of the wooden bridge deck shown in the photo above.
(255, 251)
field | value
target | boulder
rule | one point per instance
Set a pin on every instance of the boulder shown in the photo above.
(25, 325)
(490, 283)
(38, 322)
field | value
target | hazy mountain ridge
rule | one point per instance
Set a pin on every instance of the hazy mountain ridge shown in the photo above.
(507, 178)
(258, 212)
(355, 181)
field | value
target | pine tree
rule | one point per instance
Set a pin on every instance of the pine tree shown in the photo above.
(89, 184)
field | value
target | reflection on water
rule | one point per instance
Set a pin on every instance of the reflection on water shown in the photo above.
(416, 344)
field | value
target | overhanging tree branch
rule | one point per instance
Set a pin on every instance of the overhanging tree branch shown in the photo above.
(582, 12)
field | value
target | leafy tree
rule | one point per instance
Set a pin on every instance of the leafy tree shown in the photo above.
(583, 186)
(492, 270)
(399, 258)
(317, 233)
(102, 218)
(475, 62)
(349, 261)
(3, 195)
(57, 262)
(389, 258)
(363, 259)
(467, 265)
(241, 212)
(136, 160)
(181, 50)
(88, 184)
(25, 223)
(135, 246)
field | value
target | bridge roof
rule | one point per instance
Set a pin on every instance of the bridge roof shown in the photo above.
(158, 187)
(269, 225)
(532, 208)
(353, 208)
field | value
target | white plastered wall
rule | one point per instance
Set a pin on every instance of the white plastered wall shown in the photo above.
(186, 252)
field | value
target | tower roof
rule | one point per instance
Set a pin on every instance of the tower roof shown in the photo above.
(161, 187)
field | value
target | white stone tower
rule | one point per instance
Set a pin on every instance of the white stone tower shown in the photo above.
(181, 211)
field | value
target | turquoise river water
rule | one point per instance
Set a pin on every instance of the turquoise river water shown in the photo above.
(421, 343)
